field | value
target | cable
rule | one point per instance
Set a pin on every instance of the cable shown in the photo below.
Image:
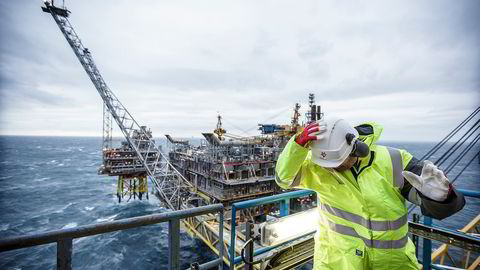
(234, 126)
(444, 140)
(413, 206)
(242, 253)
(446, 155)
(462, 154)
(471, 160)
(450, 135)
(245, 131)
(270, 118)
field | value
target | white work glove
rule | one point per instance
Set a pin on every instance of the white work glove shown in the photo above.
(432, 183)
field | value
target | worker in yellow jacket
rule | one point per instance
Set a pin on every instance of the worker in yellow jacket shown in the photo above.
(363, 219)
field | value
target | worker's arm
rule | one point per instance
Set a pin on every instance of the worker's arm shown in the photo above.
(292, 158)
(453, 202)
(289, 163)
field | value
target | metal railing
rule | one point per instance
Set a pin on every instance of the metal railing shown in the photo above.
(284, 200)
(64, 237)
(427, 243)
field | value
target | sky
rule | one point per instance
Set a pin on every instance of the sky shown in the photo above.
(412, 66)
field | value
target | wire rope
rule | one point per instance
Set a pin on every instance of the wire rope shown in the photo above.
(462, 154)
(450, 135)
(447, 154)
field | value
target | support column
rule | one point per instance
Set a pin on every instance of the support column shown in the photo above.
(174, 244)
(64, 254)
(427, 246)
(284, 207)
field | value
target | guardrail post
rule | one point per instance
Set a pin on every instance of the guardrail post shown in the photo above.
(284, 207)
(64, 254)
(174, 244)
(221, 241)
(249, 249)
(427, 246)
(232, 237)
(416, 219)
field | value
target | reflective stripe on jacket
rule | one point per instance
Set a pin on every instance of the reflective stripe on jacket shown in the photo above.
(362, 215)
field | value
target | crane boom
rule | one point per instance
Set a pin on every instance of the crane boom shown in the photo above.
(170, 183)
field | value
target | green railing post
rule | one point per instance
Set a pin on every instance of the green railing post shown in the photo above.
(427, 246)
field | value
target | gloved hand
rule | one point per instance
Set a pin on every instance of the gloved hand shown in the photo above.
(311, 132)
(432, 183)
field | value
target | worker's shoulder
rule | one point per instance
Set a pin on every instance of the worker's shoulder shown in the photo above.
(382, 150)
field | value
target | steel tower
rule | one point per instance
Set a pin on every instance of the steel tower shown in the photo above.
(170, 184)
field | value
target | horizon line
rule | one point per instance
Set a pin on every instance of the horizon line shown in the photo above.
(162, 137)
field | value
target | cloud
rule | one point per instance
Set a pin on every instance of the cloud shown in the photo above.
(174, 65)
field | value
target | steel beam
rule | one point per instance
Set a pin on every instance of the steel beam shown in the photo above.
(450, 237)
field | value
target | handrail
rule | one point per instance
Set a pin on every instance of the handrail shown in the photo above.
(64, 237)
(283, 198)
(443, 249)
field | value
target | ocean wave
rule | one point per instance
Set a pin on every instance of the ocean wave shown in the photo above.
(110, 218)
(63, 208)
(41, 179)
(89, 208)
(4, 227)
(70, 225)
(60, 165)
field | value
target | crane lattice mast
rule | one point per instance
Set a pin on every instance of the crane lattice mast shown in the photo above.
(170, 184)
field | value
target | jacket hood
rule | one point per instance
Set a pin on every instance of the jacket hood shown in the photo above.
(369, 132)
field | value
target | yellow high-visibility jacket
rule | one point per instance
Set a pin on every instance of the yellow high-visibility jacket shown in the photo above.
(363, 220)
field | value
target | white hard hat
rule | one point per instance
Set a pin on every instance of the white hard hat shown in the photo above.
(333, 149)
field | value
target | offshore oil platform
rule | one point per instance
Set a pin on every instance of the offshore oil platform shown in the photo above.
(124, 163)
(228, 168)
(232, 171)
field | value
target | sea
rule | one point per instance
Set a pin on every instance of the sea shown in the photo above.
(49, 183)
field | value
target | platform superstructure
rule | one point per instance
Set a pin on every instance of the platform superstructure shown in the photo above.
(225, 169)
(124, 163)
